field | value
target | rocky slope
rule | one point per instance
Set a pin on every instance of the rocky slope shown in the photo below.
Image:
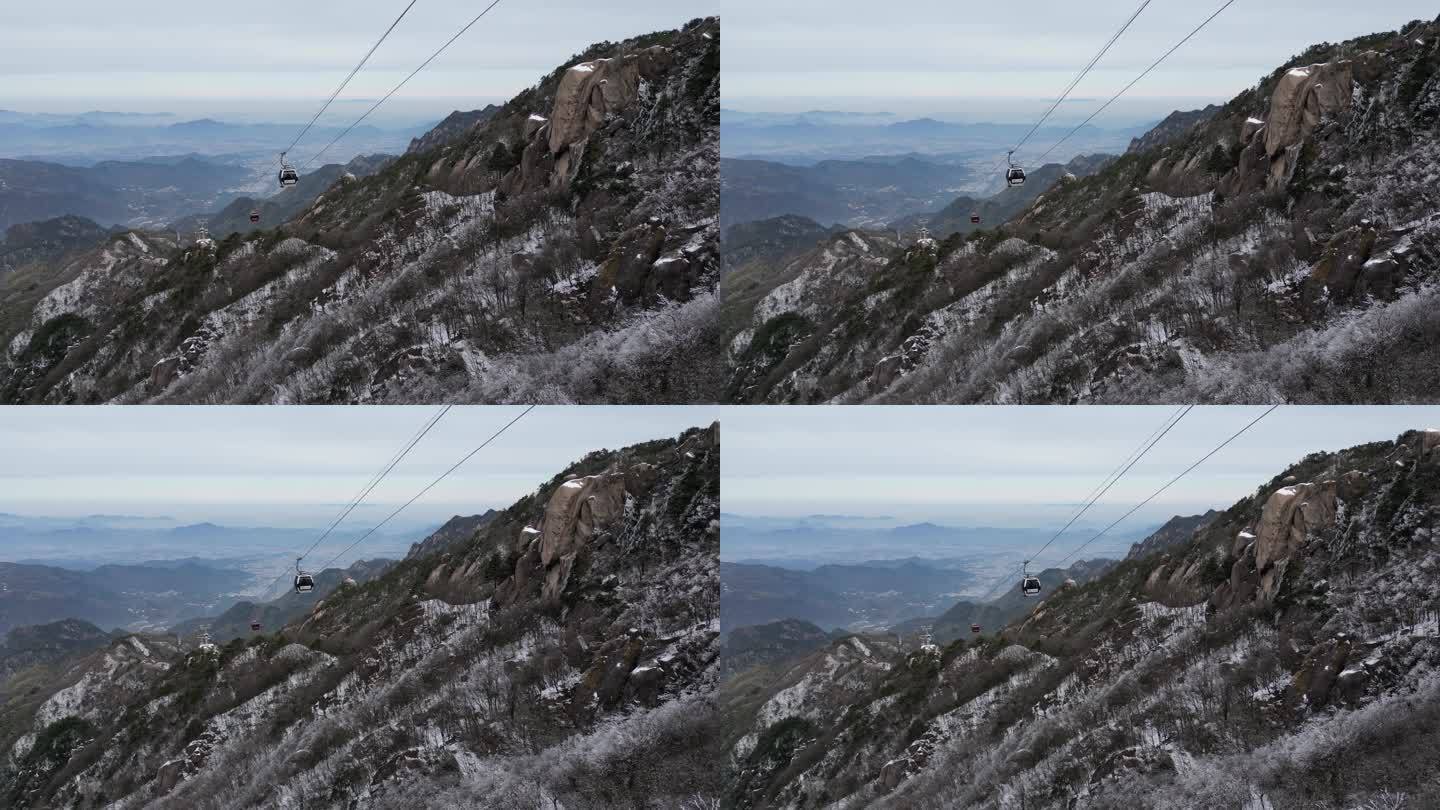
(1176, 126)
(280, 208)
(564, 656)
(39, 241)
(37, 645)
(1176, 531)
(457, 529)
(956, 623)
(1285, 656)
(1285, 249)
(565, 249)
(955, 217)
(456, 125)
(234, 622)
(771, 239)
(760, 644)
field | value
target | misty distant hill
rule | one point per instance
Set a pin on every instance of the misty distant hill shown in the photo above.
(856, 193)
(132, 193)
(869, 595)
(129, 596)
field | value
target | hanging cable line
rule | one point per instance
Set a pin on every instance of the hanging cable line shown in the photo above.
(1105, 485)
(1135, 459)
(429, 486)
(378, 477)
(343, 84)
(403, 82)
(370, 485)
(1137, 79)
(1168, 420)
(1172, 481)
(1081, 75)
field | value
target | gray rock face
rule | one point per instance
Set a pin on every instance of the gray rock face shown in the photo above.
(1302, 97)
(590, 91)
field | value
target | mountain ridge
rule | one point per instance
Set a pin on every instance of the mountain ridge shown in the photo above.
(1274, 655)
(1270, 252)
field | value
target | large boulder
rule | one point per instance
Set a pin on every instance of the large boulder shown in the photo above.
(579, 508)
(590, 91)
(1320, 670)
(1302, 97)
(631, 263)
(1344, 260)
(1289, 514)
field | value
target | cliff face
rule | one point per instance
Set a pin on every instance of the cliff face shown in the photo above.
(1284, 247)
(562, 248)
(1284, 654)
(473, 677)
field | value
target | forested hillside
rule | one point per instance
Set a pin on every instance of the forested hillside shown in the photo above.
(563, 249)
(1283, 655)
(565, 654)
(1283, 248)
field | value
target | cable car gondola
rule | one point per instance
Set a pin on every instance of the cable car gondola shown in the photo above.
(304, 583)
(974, 219)
(1030, 586)
(974, 628)
(255, 215)
(1015, 176)
(254, 626)
(288, 175)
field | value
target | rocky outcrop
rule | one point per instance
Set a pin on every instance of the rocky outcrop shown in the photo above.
(590, 91)
(1321, 669)
(1288, 515)
(577, 510)
(1302, 97)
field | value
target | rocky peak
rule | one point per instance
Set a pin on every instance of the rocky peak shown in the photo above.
(1177, 530)
(1176, 125)
(457, 529)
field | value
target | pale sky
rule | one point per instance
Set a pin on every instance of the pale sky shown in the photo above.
(936, 50)
(936, 463)
(153, 55)
(299, 463)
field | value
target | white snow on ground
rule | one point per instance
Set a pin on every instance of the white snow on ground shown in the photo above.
(577, 281)
(808, 293)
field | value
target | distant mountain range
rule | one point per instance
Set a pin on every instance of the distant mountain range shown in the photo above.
(279, 208)
(236, 620)
(131, 193)
(806, 139)
(129, 596)
(858, 193)
(999, 208)
(851, 596)
(83, 140)
(48, 239)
